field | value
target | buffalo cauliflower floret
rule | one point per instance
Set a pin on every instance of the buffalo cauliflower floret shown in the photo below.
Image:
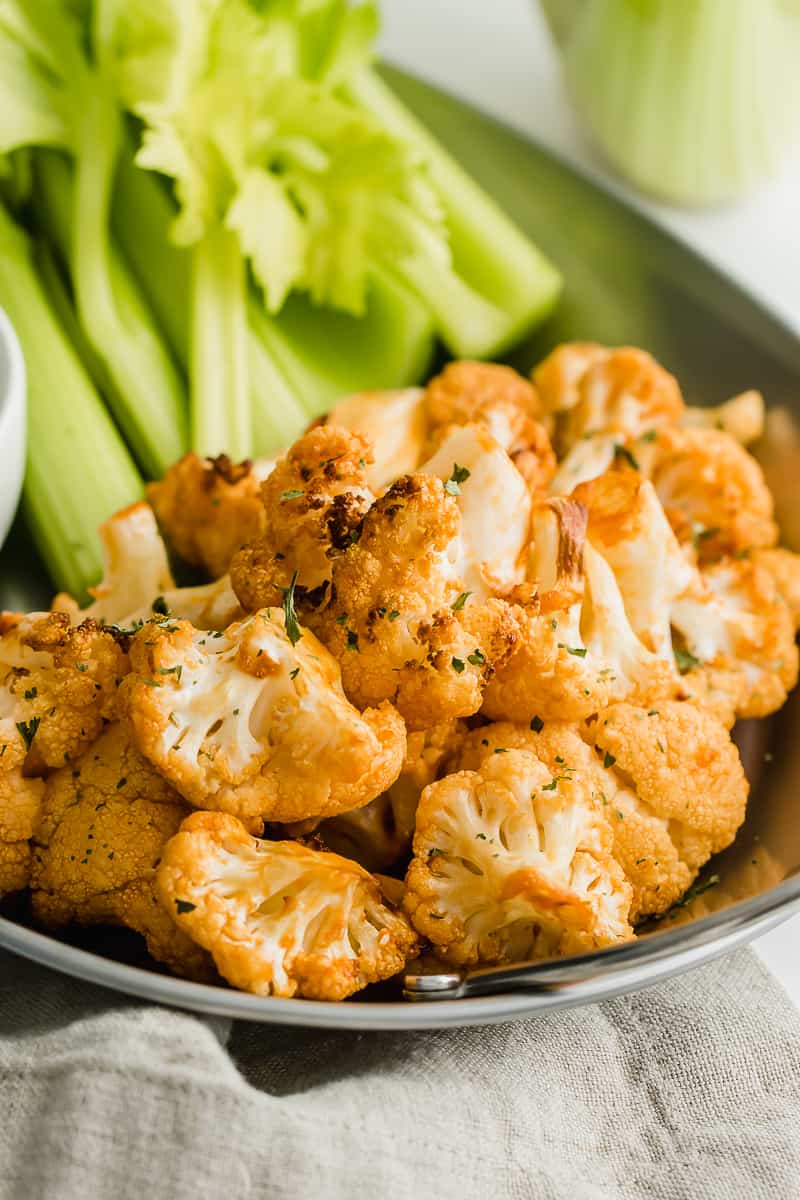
(784, 567)
(626, 523)
(504, 404)
(137, 581)
(396, 424)
(209, 507)
(742, 417)
(735, 640)
(594, 390)
(20, 807)
(576, 650)
(668, 778)
(712, 490)
(279, 918)
(495, 509)
(136, 569)
(380, 833)
(513, 863)
(58, 685)
(400, 621)
(105, 820)
(314, 501)
(254, 721)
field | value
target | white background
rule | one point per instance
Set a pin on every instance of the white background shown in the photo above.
(499, 56)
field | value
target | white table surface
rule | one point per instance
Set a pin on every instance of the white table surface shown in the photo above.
(500, 57)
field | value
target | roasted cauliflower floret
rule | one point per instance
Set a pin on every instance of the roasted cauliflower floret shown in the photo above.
(105, 820)
(626, 523)
(400, 621)
(502, 402)
(712, 490)
(512, 863)
(58, 685)
(735, 640)
(396, 425)
(495, 509)
(20, 807)
(137, 581)
(669, 779)
(784, 567)
(576, 650)
(279, 918)
(380, 833)
(209, 507)
(136, 569)
(596, 390)
(254, 721)
(314, 502)
(742, 417)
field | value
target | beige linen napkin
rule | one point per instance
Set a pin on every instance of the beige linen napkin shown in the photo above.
(688, 1090)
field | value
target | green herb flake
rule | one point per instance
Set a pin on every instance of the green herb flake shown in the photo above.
(121, 782)
(537, 724)
(293, 630)
(685, 660)
(31, 693)
(342, 620)
(653, 712)
(176, 671)
(460, 475)
(481, 837)
(608, 760)
(185, 906)
(293, 674)
(434, 851)
(621, 451)
(477, 658)
(293, 494)
(457, 665)
(701, 534)
(650, 436)
(28, 730)
(394, 614)
(458, 604)
(577, 651)
(352, 641)
(501, 750)
(159, 605)
(551, 786)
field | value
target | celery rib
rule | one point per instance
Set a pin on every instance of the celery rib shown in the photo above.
(78, 468)
(494, 260)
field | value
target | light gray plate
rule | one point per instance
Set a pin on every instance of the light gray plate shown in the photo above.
(627, 282)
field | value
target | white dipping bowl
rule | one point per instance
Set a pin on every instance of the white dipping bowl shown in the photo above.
(12, 423)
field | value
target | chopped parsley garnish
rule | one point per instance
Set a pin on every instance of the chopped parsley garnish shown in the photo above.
(81, 666)
(293, 494)
(500, 750)
(352, 640)
(394, 614)
(434, 850)
(621, 451)
(480, 837)
(31, 694)
(436, 916)
(620, 815)
(28, 730)
(608, 760)
(537, 724)
(578, 651)
(293, 674)
(293, 630)
(342, 620)
(552, 785)
(701, 534)
(694, 891)
(686, 660)
(159, 605)
(650, 436)
(152, 682)
(653, 712)
(458, 665)
(176, 671)
(476, 658)
(458, 604)
(460, 475)
(185, 906)
(121, 782)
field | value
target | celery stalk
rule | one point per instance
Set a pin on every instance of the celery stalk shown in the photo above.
(493, 261)
(78, 469)
(219, 366)
(314, 355)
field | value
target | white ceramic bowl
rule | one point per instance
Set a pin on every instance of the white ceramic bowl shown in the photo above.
(12, 423)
